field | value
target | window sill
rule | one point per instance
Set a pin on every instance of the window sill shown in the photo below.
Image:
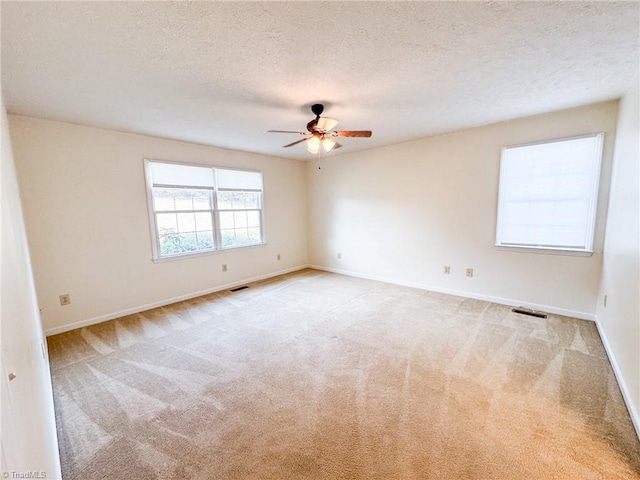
(545, 250)
(185, 256)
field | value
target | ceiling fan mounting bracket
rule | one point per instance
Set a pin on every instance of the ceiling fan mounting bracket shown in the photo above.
(317, 109)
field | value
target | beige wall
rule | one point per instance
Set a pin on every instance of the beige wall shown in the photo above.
(619, 320)
(403, 212)
(83, 193)
(28, 441)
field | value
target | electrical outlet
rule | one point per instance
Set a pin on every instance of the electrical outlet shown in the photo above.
(224, 267)
(605, 300)
(339, 255)
(447, 270)
(65, 299)
(278, 257)
(469, 272)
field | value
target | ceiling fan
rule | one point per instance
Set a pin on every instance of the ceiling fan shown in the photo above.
(319, 132)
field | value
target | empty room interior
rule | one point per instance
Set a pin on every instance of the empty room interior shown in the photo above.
(320, 240)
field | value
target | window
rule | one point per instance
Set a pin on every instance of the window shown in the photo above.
(239, 197)
(548, 194)
(197, 209)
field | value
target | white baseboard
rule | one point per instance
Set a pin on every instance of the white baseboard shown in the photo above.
(633, 412)
(168, 301)
(461, 293)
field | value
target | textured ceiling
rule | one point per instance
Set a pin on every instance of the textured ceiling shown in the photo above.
(222, 73)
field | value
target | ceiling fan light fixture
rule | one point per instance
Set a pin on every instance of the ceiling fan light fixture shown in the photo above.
(328, 144)
(313, 145)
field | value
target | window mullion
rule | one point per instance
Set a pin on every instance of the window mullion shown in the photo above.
(215, 215)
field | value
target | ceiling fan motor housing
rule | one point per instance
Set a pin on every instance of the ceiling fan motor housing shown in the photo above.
(317, 110)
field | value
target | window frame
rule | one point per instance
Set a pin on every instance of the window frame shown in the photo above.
(217, 248)
(210, 211)
(593, 204)
(233, 210)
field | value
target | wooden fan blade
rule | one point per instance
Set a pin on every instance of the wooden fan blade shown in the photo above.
(352, 133)
(294, 143)
(285, 131)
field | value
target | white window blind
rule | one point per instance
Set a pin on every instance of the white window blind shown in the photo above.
(172, 174)
(228, 179)
(548, 194)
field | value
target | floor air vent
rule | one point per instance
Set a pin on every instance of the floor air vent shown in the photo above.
(531, 313)
(238, 288)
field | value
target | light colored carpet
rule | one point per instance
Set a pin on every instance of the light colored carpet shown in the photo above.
(314, 375)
